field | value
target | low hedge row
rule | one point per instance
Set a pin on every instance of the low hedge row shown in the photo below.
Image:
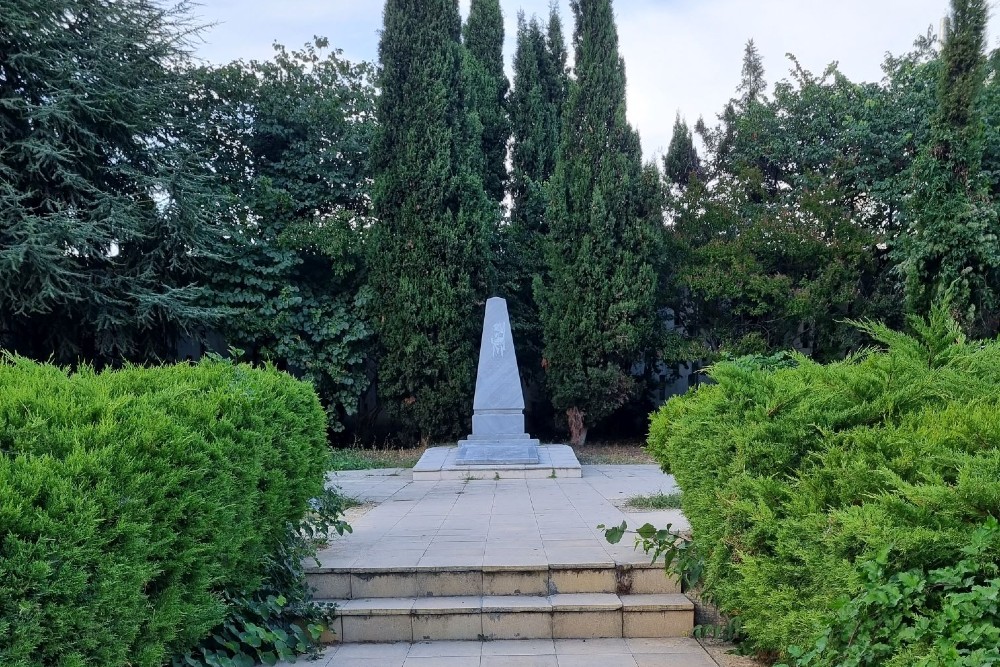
(831, 504)
(131, 499)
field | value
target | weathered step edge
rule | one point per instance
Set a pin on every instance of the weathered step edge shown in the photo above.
(563, 616)
(620, 579)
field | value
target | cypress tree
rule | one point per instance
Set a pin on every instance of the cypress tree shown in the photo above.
(431, 260)
(536, 114)
(528, 113)
(597, 298)
(536, 101)
(488, 86)
(953, 242)
(681, 163)
(528, 123)
(555, 74)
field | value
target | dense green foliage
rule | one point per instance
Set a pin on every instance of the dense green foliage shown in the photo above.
(949, 615)
(150, 205)
(483, 37)
(796, 478)
(133, 503)
(597, 293)
(431, 260)
(787, 233)
(540, 86)
(279, 620)
(681, 163)
(954, 234)
(295, 178)
(107, 224)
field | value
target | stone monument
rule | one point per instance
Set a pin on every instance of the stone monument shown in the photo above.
(498, 435)
(498, 447)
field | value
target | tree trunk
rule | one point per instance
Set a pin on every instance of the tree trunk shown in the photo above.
(577, 428)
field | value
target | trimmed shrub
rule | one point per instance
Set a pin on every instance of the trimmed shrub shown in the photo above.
(798, 481)
(132, 500)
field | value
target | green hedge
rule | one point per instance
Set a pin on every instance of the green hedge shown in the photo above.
(801, 482)
(130, 499)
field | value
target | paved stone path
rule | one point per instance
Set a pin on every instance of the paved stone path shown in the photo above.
(521, 653)
(450, 524)
(455, 523)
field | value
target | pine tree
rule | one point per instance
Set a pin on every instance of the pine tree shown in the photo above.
(752, 83)
(488, 86)
(681, 162)
(953, 243)
(106, 224)
(430, 262)
(597, 298)
(728, 144)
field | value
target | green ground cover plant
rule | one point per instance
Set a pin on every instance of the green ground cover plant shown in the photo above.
(141, 507)
(849, 508)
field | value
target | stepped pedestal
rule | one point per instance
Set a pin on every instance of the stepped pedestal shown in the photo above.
(437, 463)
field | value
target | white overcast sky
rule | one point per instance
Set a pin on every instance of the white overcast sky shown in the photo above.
(680, 55)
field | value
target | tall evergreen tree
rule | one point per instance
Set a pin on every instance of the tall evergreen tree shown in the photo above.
(536, 105)
(106, 224)
(597, 298)
(727, 142)
(430, 263)
(540, 83)
(954, 238)
(752, 83)
(681, 162)
(488, 86)
(531, 160)
(556, 75)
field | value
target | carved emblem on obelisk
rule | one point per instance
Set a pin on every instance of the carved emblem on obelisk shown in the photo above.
(499, 340)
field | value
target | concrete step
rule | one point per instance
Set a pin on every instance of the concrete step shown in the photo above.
(540, 579)
(487, 617)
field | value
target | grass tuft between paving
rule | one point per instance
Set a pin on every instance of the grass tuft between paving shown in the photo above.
(655, 501)
(614, 453)
(359, 458)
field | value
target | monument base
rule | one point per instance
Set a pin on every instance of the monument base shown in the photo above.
(440, 463)
(503, 452)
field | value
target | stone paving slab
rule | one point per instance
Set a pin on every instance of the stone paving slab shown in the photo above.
(454, 524)
(671, 652)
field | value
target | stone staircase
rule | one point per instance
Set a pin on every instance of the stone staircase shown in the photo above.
(485, 602)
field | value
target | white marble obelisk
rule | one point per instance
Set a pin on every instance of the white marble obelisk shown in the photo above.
(498, 435)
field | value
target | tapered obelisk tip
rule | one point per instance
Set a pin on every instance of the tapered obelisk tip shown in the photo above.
(498, 384)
